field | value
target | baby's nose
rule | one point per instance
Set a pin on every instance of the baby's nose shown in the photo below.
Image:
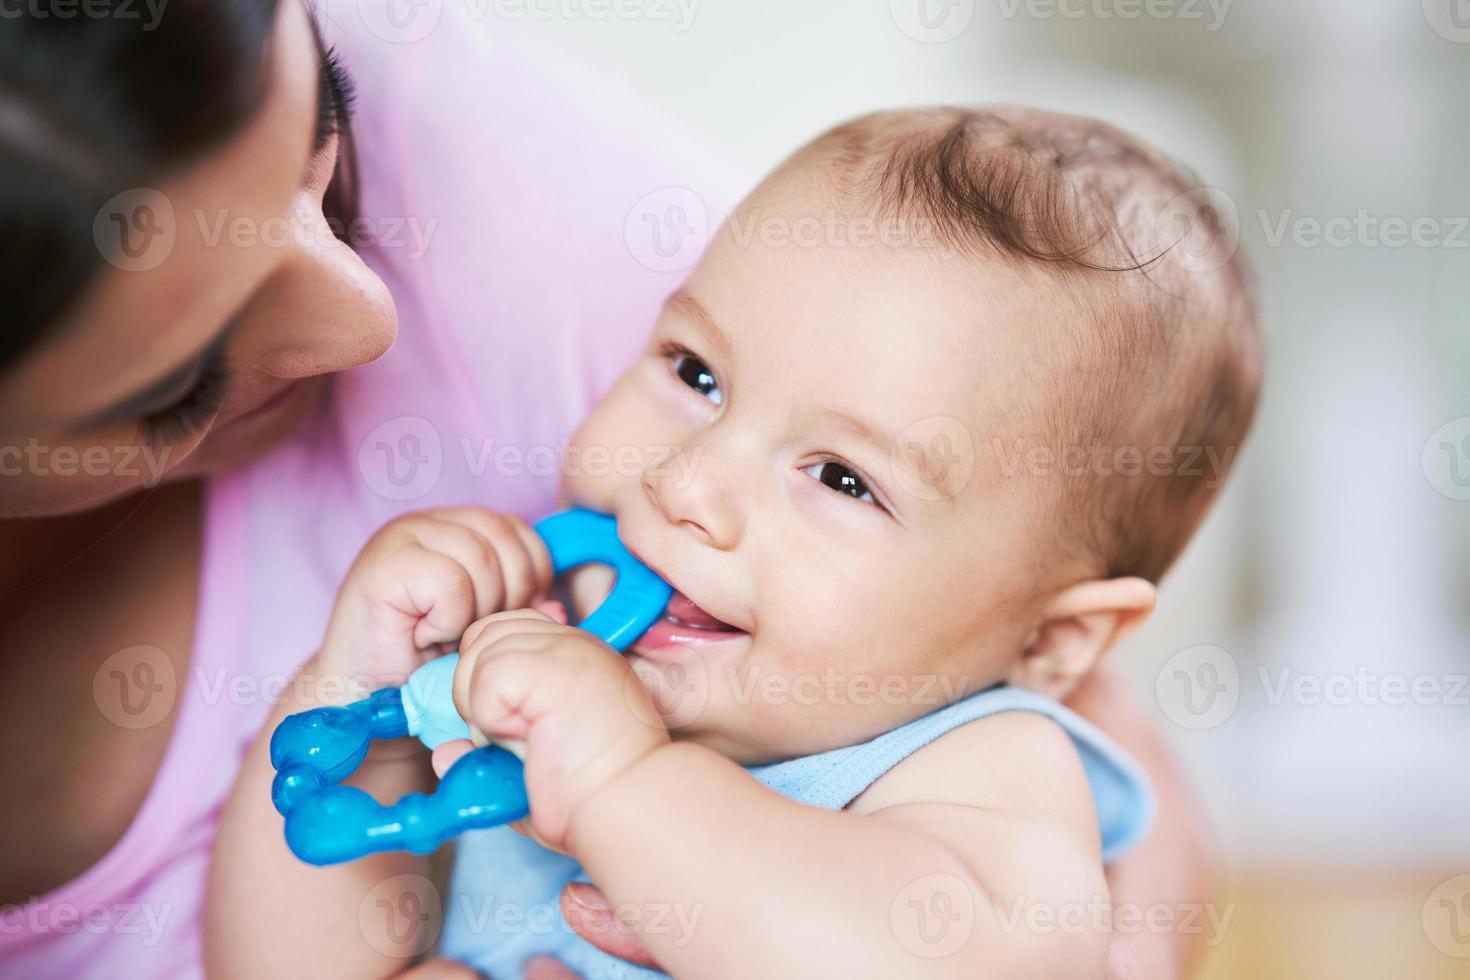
(696, 502)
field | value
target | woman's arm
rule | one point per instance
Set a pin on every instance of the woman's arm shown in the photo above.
(1173, 867)
(268, 914)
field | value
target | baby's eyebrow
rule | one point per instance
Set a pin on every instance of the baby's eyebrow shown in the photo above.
(859, 427)
(685, 303)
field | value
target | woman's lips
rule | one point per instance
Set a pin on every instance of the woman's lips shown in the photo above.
(272, 403)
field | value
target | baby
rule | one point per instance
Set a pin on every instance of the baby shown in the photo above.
(841, 752)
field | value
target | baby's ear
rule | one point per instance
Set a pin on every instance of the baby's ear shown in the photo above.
(1078, 625)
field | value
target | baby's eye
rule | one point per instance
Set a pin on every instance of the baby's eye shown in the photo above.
(841, 479)
(697, 375)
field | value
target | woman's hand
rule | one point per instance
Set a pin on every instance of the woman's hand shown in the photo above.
(420, 581)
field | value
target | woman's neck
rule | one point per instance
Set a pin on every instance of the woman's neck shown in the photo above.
(38, 549)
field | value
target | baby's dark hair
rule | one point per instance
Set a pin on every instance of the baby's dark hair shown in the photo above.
(1163, 357)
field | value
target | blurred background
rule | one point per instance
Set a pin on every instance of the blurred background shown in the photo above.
(1309, 661)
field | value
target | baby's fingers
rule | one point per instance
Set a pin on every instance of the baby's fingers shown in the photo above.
(476, 554)
(484, 640)
(448, 753)
(436, 592)
(498, 625)
(524, 562)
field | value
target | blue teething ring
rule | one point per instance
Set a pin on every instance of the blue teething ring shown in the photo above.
(313, 751)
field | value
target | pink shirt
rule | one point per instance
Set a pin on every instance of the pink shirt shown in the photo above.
(525, 304)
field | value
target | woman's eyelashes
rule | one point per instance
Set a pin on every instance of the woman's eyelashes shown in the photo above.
(690, 369)
(335, 97)
(192, 410)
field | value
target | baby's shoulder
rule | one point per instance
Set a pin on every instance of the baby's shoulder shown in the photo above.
(1016, 762)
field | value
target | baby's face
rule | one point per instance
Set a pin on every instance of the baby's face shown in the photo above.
(816, 427)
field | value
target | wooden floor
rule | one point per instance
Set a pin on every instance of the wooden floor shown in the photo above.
(1346, 930)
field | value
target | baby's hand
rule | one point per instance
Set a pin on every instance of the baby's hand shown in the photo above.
(420, 581)
(581, 712)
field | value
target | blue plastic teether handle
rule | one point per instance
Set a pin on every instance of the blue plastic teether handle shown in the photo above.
(639, 597)
(314, 750)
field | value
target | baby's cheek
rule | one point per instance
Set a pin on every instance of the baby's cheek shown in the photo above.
(621, 438)
(582, 480)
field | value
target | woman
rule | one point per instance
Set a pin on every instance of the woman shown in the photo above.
(189, 464)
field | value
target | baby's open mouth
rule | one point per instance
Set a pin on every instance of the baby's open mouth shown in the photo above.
(682, 611)
(685, 625)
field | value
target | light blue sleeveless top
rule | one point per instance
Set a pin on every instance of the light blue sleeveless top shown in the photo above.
(503, 904)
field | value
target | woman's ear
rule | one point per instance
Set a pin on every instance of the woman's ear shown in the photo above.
(1078, 625)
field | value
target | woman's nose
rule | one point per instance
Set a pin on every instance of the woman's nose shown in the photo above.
(692, 490)
(322, 310)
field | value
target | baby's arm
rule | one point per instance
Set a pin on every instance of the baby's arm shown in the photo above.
(419, 582)
(892, 887)
(945, 867)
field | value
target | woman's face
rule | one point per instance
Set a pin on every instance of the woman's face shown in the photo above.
(174, 368)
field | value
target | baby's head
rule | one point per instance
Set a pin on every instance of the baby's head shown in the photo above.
(924, 419)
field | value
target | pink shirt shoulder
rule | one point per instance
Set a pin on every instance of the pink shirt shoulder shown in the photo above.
(503, 203)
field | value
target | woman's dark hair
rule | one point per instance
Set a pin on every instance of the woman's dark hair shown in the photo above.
(109, 99)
